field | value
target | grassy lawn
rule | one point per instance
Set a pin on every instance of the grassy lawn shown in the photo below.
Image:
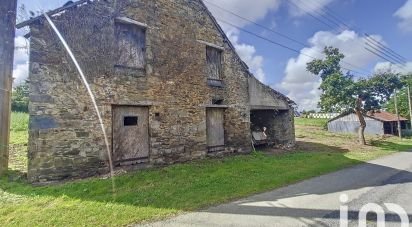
(311, 122)
(159, 193)
(18, 141)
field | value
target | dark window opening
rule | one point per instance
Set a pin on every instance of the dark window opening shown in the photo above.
(130, 121)
(403, 125)
(131, 46)
(214, 63)
(157, 116)
(217, 101)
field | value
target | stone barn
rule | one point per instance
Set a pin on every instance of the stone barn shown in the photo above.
(169, 85)
(377, 123)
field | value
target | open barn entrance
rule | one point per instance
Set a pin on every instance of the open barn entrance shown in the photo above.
(268, 126)
(391, 128)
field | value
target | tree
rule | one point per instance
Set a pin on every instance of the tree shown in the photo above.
(20, 98)
(403, 102)
(337, 89)
(359, 113)
(379, 89)
(403, 105)
(341, 92)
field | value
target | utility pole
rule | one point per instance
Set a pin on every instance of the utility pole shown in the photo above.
(8, 10)
(410, 103)
(397, 114)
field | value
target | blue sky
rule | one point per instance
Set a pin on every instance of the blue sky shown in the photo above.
(390, 22)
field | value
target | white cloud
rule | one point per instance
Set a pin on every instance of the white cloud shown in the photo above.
(21, 59)
(302, 86)
(20, 73)
(21, 50)
(405, 15)
(252, 10)
(248, 54)
(306, 7)
(385, 66)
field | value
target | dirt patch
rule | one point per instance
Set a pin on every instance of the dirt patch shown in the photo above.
(316, 139)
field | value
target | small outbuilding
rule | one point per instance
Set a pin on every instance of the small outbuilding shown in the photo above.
(377, 123)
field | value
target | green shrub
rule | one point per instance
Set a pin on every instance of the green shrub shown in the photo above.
(20, 98)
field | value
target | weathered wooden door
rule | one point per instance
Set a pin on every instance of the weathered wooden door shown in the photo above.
(215, 129)
(130, 135)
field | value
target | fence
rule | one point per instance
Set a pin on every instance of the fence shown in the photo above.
(323, 115)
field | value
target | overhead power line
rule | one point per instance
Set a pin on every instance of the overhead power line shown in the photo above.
(383, 53)
(330, 13)
(257, 24)
(279, 33)
(310, 14)
(383, 46)
(279, 44)
(392, 56)
(384, 58)
(333, 14)
(319, 14)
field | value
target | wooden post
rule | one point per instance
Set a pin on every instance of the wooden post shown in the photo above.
(7, 32)
(410, 103)
(359, 113)
(397, 114)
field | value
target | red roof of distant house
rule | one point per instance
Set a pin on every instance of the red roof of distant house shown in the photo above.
(385, 116)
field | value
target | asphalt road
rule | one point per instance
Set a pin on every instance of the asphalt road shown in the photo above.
(316, 202)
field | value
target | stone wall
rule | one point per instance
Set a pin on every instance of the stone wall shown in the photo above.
(279, 125)
(284, 128)
(262, 96)
(65, 139)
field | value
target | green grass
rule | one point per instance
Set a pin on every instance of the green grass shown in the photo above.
(158, 193)
(18, 141)
(19, 122)
(311, 122)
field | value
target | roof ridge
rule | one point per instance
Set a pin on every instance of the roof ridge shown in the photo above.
(52, 12)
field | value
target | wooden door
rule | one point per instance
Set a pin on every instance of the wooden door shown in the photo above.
(215, 129)
(130, 135)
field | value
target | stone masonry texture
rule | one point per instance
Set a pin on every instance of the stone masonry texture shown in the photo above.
(65, 138)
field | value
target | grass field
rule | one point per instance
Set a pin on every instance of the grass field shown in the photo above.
(311, 122)
(159, 193)
(18, 142)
